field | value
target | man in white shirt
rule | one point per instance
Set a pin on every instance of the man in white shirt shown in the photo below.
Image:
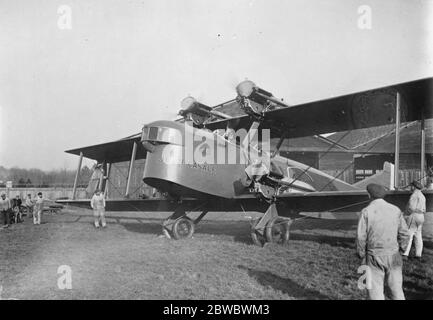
(415, 218)
(382, 232)
(5, 207)
(98, 205)
(38, 208)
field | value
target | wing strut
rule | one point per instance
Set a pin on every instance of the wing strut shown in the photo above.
(77, 174)
(423, 150)
(397, 142)
(280, 142)
(107, 180)
(101, 178)
(131, 166)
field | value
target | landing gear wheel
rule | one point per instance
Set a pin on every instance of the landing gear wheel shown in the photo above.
(183, 228)
(277, 231)
(258, 239)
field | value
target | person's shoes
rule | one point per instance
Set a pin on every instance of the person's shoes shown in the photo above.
(405, 258)
(96, 226)
(104, 226)
(417, 258)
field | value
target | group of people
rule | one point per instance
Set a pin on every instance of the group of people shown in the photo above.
(35, 207)
(384, 239)
(385, 234)
(15, 206)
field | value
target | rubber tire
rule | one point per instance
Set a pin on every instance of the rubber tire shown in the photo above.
(279, 225)
(257, 238)
(180, 223)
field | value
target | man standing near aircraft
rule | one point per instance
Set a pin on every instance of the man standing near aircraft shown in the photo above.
(29, 204)
(98, 205)
(415, 219)
(382, 231)
(37, 211)
(5, 207)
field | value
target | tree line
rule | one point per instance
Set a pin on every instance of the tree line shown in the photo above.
(39, 178)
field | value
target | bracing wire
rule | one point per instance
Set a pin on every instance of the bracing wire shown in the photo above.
(321, 156)
(363, 153)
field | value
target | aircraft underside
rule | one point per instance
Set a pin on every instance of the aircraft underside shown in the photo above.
(277, 216)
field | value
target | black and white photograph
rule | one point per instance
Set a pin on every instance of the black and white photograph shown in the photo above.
(216, 156)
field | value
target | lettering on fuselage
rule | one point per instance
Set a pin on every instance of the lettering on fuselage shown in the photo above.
(203, 167)
(197, 166)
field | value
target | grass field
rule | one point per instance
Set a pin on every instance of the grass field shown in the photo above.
(129, 260)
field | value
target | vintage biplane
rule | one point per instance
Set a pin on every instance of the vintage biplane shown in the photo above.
(202, 162)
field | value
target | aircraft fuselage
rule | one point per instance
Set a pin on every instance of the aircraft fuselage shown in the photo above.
(191, 162)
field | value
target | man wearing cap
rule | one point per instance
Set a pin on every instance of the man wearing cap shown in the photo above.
(98, 205)
(382, 231)
(38, 208)
(5, 207)
(415, 211)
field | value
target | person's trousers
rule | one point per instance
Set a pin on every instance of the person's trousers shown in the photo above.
(29, 211)
(385, 270)
(6, 217)
(99, 215)
(37, 216)
(415, 222)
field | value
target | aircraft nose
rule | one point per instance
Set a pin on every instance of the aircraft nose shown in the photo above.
(155, 135)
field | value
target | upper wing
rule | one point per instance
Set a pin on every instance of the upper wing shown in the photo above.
(353, 111)
(114, 151)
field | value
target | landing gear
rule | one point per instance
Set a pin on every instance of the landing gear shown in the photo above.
(179, 225)
(258, 238)
(277, 230)
(271, 228)
(183, 228)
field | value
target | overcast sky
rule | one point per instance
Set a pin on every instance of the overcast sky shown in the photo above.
(125, 63)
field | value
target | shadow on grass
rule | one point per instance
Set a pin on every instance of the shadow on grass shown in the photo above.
(342, 242)
(144, 227)
(239, 230)
(417, 291)
(428, 244)
(331, 225)
(287, 286)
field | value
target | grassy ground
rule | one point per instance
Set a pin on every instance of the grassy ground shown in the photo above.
(129, 260)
